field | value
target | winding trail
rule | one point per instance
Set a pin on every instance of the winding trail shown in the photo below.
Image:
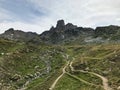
(104, 80)
(63, 72)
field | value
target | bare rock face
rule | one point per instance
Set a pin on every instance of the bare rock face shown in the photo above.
(60, 24)
(18, 35)
(111, 32)
(8, 34)
(64, 32)
(107, 30)
(10, 31)
(52, 28)
(70, 26)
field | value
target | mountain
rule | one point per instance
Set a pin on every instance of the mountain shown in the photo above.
(18, 35)
(69, 33)
(66, 34)
(108, 32)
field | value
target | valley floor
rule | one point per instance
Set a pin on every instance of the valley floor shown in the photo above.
(26, 66)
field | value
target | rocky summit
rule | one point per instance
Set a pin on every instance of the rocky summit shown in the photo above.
(69, 33)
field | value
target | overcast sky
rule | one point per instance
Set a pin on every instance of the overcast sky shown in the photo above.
(40, 15)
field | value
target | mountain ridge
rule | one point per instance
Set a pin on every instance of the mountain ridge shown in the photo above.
(65, 33)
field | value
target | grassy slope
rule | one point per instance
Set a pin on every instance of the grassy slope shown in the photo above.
(102, 59)
(21, 60)
(70, 83)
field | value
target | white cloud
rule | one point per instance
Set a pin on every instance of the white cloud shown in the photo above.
(118, 19)
(80, 12)
(3, 14)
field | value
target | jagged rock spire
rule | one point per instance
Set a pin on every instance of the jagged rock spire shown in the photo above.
(60, 23)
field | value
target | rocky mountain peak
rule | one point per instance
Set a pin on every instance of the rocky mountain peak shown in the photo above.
(10, 31)
(60, 23)
(61, 26)
(18, 35)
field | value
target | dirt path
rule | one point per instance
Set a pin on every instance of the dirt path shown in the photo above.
(63, 72)
(104, 80)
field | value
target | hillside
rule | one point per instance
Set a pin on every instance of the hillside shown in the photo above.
(66, 57)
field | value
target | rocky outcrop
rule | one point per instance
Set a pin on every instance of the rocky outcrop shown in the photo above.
(70, 26)
(108, 32)
(18, 35)
(60, 25)
(64, 32)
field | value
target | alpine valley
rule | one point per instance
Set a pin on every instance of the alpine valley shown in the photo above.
(66, 57)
